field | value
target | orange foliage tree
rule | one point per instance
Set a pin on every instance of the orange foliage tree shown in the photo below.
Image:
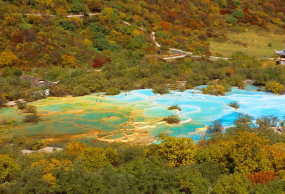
(262, 177)
(275, 153)
(166, 26)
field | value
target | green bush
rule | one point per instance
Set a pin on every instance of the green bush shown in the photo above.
(33, 118)
(160, 90)
(238, 14)
(21, 105)
(80, 91)
(136, 43)
(174, 107)
(34, 144)
(231, 19)
(31, 109)
(233, 183)
(171, 119)
(78, 6)
(164, 48)
(65, 24)
(234, 104)
(181, 88)
(112, 91)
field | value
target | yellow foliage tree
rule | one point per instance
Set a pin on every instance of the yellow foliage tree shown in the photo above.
(221, 151)
(50, 165)
(111, 155)
(87, 43)
(9, 21)
(275, 87)
(107, 11)
(229, 71)
(215, 89)
(45, 3)
(68, 61)
(276, 154)
(7, 58)
(247, 154)
(178, 151)
(93, 158)
(7, 166)
(61, 11)
(244, 153)
(77, 21)
(87, 33)
(136, 33)
(75, 148)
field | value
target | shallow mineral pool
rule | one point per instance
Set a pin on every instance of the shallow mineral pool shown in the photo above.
(116, 116)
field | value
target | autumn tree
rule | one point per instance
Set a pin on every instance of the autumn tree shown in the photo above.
(178, 151)
(68, 61)
(49, 166)
(215, 89)
(7, 58)
(45, 3)
(94, 6)
(275, 87)
(100, 60)
(262, 177)
(229, 71)
(276, 154)
(111, 155)
(166, 26)
(93, 158)
(9, 21)
(7, 167)
(247, 154)
(75, 148)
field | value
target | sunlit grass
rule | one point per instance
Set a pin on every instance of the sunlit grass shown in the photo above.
(256, 41)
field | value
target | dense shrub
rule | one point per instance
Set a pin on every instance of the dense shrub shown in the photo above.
(100, 60)
(112, 91)
(21, 105)
(80, 91)
(31, 109)
(160, 90)
(171, 119)
(234, 104)
(173, 107)
(32, 118)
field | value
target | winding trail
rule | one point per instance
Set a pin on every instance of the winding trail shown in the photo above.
(177, 53)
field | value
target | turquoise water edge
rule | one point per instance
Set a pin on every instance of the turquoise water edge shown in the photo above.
(61, 116)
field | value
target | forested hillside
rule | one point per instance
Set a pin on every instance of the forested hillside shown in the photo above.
(46, 39)
(28, 40)
(241, 160)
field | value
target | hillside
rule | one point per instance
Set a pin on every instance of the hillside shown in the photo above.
(193, 26)
(60, 40)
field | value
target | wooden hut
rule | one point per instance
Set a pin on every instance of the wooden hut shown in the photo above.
(38, 82)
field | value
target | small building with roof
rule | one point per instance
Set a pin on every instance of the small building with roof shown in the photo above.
(282, 56)
(38, 82)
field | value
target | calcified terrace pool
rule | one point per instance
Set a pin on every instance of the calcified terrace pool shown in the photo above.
(136, 116)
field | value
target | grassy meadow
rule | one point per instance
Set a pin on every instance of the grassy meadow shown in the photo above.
(252, 42)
